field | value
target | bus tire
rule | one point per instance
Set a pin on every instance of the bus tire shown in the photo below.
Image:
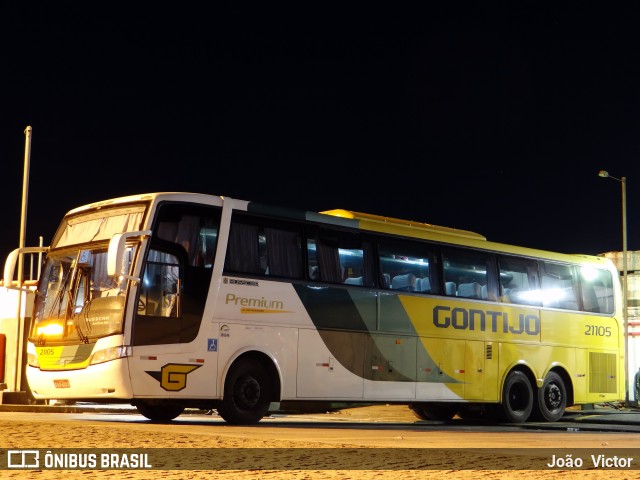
(517, 398)
(246, 394)
(441, 412)
(159, 412)
(552, 399)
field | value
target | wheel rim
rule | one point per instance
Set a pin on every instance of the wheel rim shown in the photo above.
(247, 393)
(553, 397)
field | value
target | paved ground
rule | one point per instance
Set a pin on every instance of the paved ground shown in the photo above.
(208, 434)
(610, 417)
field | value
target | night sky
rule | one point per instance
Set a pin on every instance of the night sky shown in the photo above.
(487, 116)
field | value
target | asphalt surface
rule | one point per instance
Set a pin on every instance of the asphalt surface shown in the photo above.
(602, 417)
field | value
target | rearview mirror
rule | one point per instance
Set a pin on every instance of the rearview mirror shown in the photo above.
(115, 255)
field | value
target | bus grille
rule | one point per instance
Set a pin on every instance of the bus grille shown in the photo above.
(602, 372)
(489, 351)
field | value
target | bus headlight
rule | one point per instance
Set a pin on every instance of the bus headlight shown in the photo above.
(109, 354)
(32, 360)
(51, 329)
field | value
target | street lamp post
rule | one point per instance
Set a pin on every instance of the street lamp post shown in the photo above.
(625, 290)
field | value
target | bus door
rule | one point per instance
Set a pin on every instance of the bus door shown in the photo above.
(167, 358)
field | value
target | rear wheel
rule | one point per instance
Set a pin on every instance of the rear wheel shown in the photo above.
(442, 412)
(158, 411)
(517, 398)
(246, 394)
(552, 399)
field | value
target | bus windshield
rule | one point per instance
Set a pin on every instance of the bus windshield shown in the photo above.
(76, 300)
(98, 225)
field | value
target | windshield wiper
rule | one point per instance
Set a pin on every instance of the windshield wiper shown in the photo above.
(83, 338)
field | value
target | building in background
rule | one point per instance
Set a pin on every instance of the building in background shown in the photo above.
(15, 317)
(633, 315)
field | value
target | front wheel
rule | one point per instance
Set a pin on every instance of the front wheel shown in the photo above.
(552, 398)
(246, 394)
(159, 412)
(517, 398)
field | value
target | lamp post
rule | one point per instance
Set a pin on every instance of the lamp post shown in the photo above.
(625, 291)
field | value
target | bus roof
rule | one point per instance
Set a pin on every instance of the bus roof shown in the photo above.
(349, 218)
(377, 223)
(365, 218)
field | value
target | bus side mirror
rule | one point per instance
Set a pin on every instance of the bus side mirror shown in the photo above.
(115, 254)
(12, 259)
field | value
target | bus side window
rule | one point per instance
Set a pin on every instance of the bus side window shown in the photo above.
(467, 270)
(284, 255)
(519, 280)
(597, 290)
(339, 257)
(352, 264)
(193, 228)
(589, 299)
(324, 262)
(242, 250)
(160, 286)
(559, 286)
(406, 266)
(328, 262)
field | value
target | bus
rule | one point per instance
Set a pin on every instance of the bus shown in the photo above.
(177, 300)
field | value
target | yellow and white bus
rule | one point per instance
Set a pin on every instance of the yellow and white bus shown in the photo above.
(179, 300)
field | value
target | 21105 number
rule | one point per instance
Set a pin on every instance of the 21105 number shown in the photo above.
(597, 331)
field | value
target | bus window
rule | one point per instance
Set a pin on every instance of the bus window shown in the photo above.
(406, 266)
(339, 257)
(196, 232)
(258, 247)
(283, 256)
(559, 286)
(159, 313)
(465, 272)
(243, 253)
(160, 285)
(518, 279)
(597, 290)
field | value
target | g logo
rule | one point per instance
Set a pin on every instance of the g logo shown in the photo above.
(173, 376)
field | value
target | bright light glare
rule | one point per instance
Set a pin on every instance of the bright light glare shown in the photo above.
(589, 273)
(548, 296)
(50, 330)
(529, 296)
(552, 295)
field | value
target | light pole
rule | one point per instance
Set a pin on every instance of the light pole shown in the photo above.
(625, 290)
